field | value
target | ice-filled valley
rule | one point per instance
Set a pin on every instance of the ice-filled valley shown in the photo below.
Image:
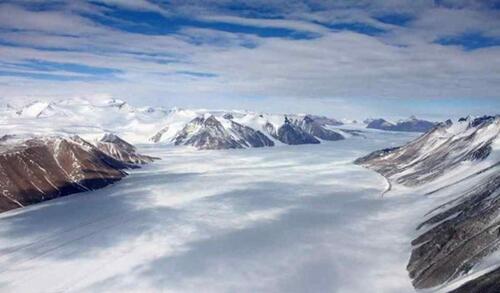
(284, 219)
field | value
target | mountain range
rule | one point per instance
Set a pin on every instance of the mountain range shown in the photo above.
(49, 150)
(409, 125)
(202, 129)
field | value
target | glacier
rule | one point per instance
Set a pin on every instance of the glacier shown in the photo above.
(285, 219)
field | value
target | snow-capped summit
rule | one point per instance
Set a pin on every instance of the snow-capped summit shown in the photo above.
(209, 132)
(380, 123)
(35, 109)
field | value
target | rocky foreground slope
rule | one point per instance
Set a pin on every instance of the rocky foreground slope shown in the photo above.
(36, 169)
(461, 162)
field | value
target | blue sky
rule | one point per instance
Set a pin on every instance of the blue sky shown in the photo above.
(342, 58)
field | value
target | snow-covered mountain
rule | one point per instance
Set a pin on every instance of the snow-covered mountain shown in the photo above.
(219, 133)
(411, 125)
(35, 169)
(458, 164)
(203, 129)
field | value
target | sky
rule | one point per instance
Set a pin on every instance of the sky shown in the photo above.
(348, 59)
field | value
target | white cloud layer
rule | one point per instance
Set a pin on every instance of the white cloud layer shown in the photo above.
(207, 66)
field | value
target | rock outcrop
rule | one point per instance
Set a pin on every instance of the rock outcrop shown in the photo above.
(289, 133)
(117, 148)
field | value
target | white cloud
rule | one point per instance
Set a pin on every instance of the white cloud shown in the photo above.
(335, 65)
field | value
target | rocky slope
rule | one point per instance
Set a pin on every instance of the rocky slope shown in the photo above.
(317, 127)
(462, 162)
(42, 168)
(115, 147)
(293, 134)
(223, 132)
(411, 125)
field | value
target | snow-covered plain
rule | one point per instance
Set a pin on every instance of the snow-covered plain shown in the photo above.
(284, 219)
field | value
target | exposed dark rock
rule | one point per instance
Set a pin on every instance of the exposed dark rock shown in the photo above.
(480, 153)
(375, 155)
(228, 116)
(316, 128)
(7, 137)
(482, 120)
(270, 129)
(462, 231)
(117, 148)
(380, 124)
(210, 134)
(250, 137)
(40, 169)
(322, 120)
(157, 137)
(292, 134)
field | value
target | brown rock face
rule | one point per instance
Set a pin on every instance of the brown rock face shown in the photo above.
(117, 148)
(44, 168)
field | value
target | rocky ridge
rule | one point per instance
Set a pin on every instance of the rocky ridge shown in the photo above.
(463, 231)
(37, 169)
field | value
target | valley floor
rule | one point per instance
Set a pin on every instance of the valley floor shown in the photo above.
(282, 219)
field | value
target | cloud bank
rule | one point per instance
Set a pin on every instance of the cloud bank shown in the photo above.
(348, 55)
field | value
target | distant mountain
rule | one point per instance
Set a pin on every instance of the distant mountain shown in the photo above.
(35, 110)
(204, 129)
(220, 129)
(381, 124)
(219, 133)
(410, 125)
(293, 134)
(461, 162)
(42, 168)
